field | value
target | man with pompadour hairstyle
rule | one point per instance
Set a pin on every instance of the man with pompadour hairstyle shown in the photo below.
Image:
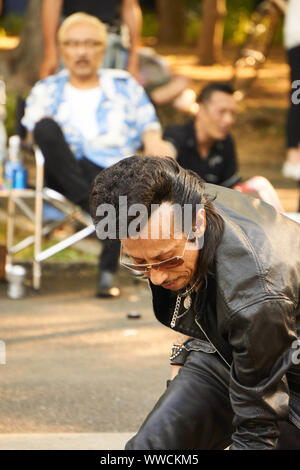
(231, 284)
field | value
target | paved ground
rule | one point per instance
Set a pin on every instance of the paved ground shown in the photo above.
(64, 441)
(77, 364)
(79, 374)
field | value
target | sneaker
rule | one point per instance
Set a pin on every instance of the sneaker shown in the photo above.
(106, 286)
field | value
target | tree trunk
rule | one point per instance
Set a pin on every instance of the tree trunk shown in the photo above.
(211, 35)
(20, 66)
(171, 21)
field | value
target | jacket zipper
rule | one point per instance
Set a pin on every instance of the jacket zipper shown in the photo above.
(211, 342)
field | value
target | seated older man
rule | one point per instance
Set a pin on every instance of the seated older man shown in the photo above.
(85, 119)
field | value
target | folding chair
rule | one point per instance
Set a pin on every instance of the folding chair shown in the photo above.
(42, 194)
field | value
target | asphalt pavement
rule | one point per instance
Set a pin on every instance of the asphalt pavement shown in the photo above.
(79, 373)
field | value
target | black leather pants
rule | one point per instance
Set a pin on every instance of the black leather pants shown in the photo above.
(195, 412)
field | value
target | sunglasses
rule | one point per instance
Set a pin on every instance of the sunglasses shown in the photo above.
(164, 265)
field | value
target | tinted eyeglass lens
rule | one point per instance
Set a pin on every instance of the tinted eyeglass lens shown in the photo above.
(135, 267)
(168, 264)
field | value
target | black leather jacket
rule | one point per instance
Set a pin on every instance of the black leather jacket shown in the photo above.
(250, 314)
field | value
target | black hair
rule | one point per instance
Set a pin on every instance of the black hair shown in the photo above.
(208, 90)
(154, 180)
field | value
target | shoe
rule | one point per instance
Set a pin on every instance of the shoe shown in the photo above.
(290, 170)
(106, 287)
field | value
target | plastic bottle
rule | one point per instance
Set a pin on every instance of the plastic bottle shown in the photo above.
(14, 161)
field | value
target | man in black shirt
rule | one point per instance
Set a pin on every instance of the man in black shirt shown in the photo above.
(204, 144)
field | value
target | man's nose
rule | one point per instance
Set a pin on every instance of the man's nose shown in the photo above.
(82, 48)
(157, 277)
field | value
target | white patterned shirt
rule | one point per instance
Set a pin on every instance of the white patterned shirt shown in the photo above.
(123, 114)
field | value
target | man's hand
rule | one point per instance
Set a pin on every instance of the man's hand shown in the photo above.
(155, 146)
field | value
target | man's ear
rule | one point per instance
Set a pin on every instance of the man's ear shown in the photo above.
(198, 229)
(200, 223)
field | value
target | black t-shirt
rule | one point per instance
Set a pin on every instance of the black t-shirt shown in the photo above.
(107, 11)
(219, 167)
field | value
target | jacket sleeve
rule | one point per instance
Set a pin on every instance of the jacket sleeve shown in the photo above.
(260, 336)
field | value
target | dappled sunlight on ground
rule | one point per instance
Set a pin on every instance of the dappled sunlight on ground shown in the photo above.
(8, 42)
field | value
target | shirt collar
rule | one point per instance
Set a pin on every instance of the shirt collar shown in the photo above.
(106, 80)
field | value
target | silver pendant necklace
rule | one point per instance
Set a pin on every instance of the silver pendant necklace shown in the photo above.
(186, 303)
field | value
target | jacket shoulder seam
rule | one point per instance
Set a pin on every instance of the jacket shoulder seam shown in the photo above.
(255, 302)
(260, 273)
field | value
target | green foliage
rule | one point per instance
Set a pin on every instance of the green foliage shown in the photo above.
(150, 24)
(192, 27)
(10, 121)
(11, 24)
(69, 254)
(237, 18)
(233, 5)
(278, 38)
(235, 27)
